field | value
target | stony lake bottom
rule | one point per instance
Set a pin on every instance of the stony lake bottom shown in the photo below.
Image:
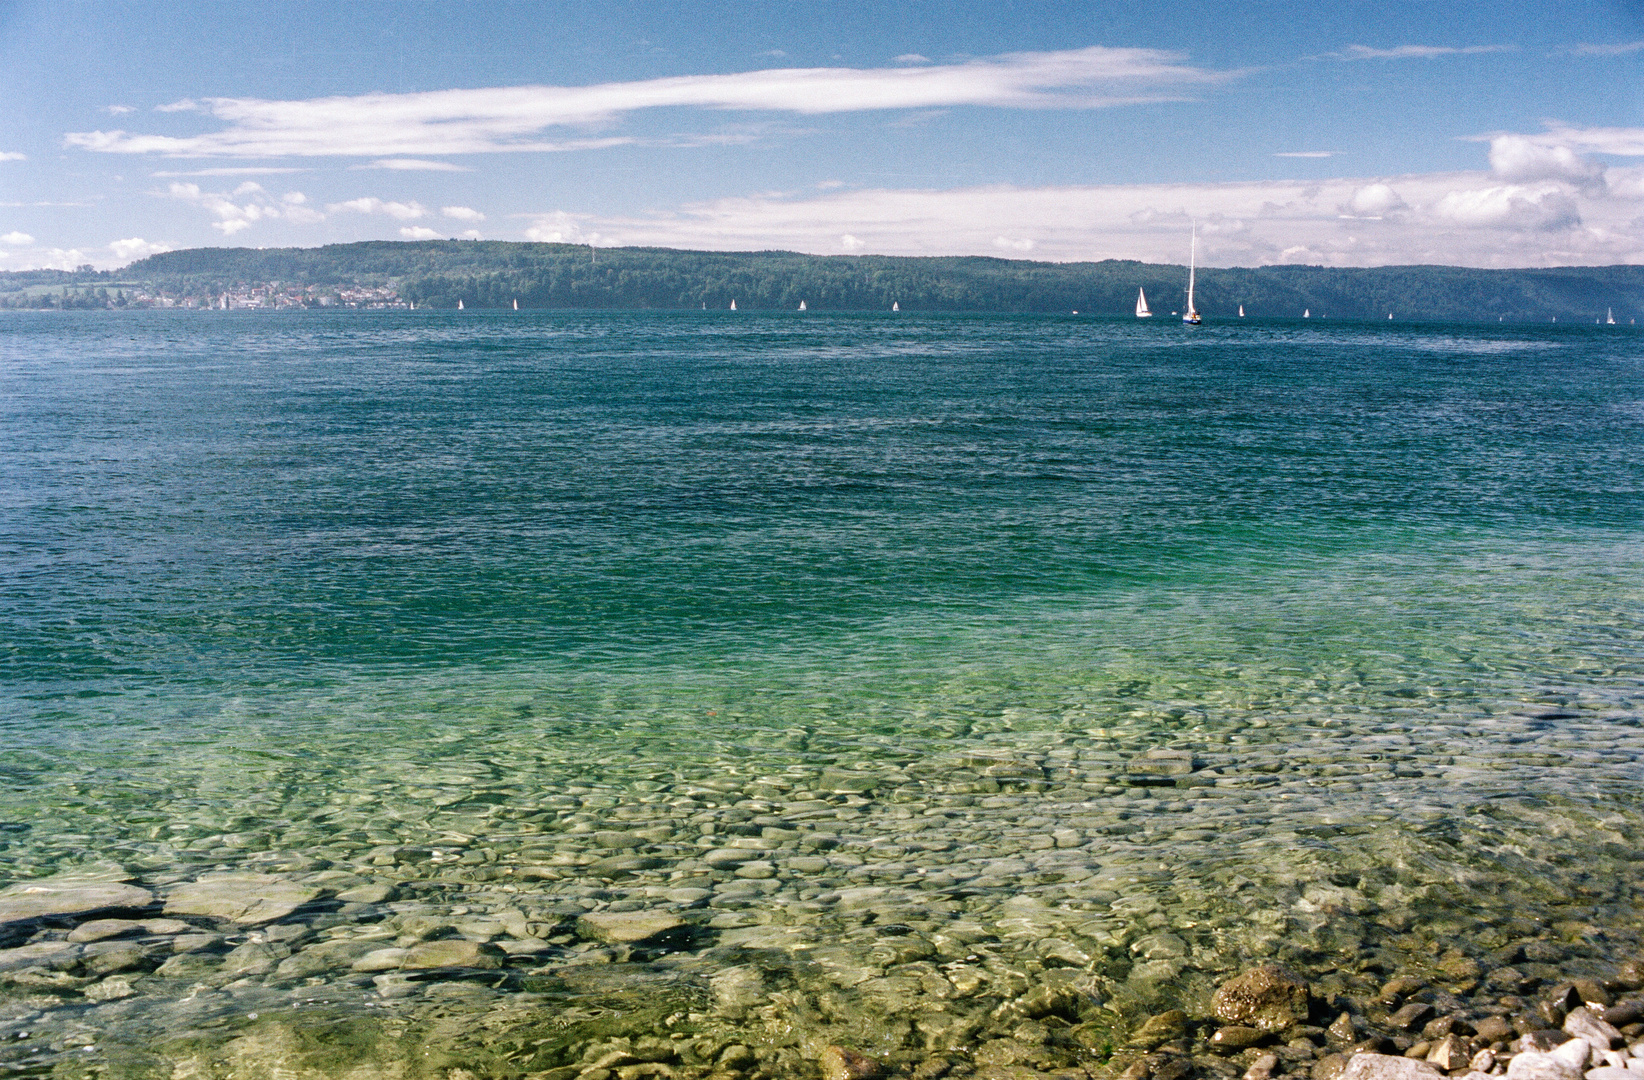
(625, 694)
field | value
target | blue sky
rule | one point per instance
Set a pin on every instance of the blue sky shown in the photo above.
(1508, 134)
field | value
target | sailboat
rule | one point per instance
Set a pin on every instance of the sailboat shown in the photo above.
(895, 306)
(516, 303)
(459, 305)
(1307, 313)
(733, 305)
(1609, 316)
(801, 305)
(1241, 311)
(1191, 315)
(1141, 305)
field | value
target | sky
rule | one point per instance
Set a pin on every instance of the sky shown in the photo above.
(1352, 133)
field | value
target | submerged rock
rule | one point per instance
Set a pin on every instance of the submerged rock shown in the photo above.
(247, 899)
(62, 897)
(1267, 998)
(839, 1063)
(453, 953)
(633, 927)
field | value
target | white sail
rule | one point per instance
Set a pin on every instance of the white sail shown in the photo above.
(1191, 315)
(801, 305)
(733, 305)
(1141, 305)
(459, 305)
(1609, 316)
(516, 303)
(1307, 313)
(895, 306)
(1241, 311)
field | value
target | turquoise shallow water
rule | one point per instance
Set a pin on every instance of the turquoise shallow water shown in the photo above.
(282, 593)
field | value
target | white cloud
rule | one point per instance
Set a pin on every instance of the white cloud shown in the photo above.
(467, 121)
(17, 239)
(254, 170)
(420, 232)
(1622, 49)
(46, 259)
(462, 213)
(1008, 244)
(413, 165)
(118, 110)
(1465, 218)
(184, 105)
(560, 228)
(1415, 52)
(1375, 199)
(404, 211)
(246, 205)
(1543, 208)
(1524, 160)
(912, 58)
(12, 155)
(1308, 153)
(470, 234)
(135, 248)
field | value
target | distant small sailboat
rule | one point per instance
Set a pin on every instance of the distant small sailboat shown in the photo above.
(801, 305)
(1389, 314)
(413, 305)
(516, 303)
(459, 305)
(1191, 315)
(1307, 313)
(895, 306)
(1241, 311)
(1141, 305)
(733, 305)
(1609, 316)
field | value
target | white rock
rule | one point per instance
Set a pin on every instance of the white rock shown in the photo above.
(1610, 1072)
(1388, 1067)
(1534, 1065)
(1583, 1023)
(1576, 1053)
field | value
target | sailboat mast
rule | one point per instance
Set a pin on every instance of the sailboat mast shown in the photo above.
(1192, 263)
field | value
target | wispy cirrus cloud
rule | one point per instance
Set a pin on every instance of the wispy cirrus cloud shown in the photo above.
(12, 155)
(1606, 49)
(1308, 153)
(413, 165)
(469, 121)
(1414, 52)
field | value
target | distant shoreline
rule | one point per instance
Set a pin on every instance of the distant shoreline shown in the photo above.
(499, 274)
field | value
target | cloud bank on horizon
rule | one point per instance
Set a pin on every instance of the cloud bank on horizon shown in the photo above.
(1000, 149)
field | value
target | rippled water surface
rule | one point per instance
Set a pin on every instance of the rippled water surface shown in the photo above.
(839, 641)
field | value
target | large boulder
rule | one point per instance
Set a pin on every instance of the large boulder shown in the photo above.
(1267, 998)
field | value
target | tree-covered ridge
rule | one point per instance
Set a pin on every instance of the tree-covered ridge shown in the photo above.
(494, 274)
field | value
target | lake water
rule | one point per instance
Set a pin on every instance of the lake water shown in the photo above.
(838, 641)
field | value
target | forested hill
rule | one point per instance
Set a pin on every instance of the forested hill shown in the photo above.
(485, 274)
